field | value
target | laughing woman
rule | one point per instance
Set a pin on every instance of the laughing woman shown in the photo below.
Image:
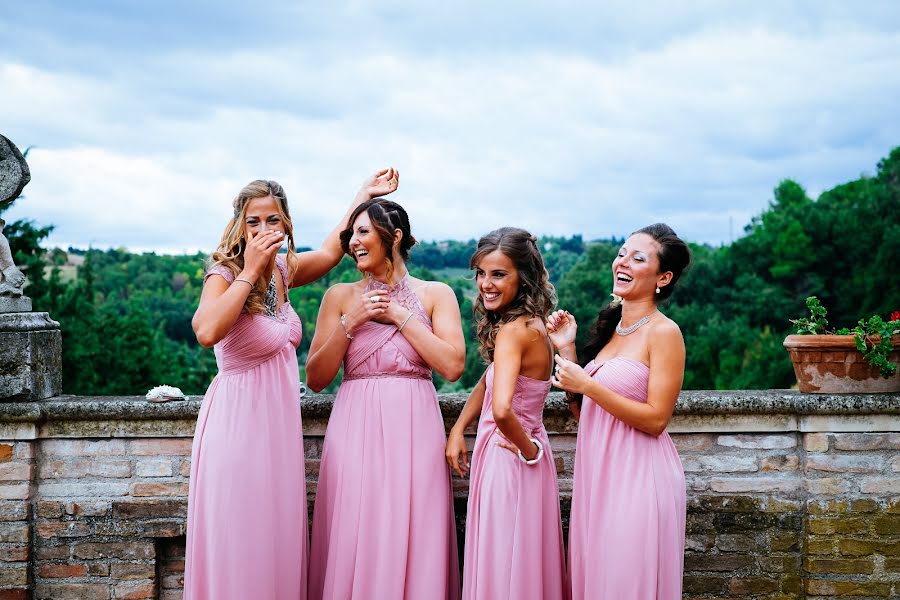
(626, 533)
(514, 548)
(246, 522)
(383, 523)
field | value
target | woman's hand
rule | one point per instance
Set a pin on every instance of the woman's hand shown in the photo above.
(569, 376)
(457, 454)
(561, 327)
(260, 251)
(394, 313)
(503, 442)
(370, 306)
(381, 183)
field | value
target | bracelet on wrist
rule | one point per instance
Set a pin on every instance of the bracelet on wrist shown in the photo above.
(247, 281)
(344, 326)
(404, 321)
(537, 458)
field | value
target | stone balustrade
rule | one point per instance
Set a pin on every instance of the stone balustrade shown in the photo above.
(789, 495)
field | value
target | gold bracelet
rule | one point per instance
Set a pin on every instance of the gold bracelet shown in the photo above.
(399, 329)
(247, 281)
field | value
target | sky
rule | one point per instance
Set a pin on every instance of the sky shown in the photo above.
(146, 118)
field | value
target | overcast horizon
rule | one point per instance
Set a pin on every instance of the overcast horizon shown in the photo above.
(145, 120)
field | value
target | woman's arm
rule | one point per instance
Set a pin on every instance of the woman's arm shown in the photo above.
(443, 348)
(313, 264)
(667, 357)
(457, 454)
(330, 341)
(221, 302)
(511, 342)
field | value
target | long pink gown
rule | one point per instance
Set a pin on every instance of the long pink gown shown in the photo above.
(514, 547)
(626, 531)
(247, 517)
(383, 525)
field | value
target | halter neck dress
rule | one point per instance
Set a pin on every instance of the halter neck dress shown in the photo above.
(383, 524)
(626, 531)
(247, 513)
(514, 547)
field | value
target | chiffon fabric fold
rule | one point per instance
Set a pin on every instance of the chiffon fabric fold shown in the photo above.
(514, 547)
(247, 512)
(627, 526)
(383, 524)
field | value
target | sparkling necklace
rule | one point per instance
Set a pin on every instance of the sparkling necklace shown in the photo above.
(271, 301)
(634, 327)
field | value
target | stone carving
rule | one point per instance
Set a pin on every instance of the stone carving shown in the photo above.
(14, 176)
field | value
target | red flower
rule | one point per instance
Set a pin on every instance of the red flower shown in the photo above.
(895, 316)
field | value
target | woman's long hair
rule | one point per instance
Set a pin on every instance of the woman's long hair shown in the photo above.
(536, 296)
(230, 252)
(386, 217)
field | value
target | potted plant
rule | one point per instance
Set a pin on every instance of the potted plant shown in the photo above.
(859, 360)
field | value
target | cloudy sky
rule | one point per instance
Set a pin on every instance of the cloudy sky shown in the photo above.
(147, 117)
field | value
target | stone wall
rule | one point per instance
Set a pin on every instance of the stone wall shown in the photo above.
(789, 495)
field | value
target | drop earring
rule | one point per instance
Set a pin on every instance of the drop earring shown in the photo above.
(657, 289)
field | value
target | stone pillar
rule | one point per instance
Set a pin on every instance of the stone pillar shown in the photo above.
(30, 356)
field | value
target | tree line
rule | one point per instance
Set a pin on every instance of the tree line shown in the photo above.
(125, 317)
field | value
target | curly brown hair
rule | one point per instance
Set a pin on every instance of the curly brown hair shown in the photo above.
(535, 297)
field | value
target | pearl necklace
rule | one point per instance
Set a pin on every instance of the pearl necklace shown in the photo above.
(637, 325)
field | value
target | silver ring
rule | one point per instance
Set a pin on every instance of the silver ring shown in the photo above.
(375, 299)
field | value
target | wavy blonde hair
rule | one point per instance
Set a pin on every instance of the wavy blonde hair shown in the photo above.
(535, 297)
(230, 252)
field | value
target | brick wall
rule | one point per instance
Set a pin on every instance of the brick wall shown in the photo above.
(789, 496)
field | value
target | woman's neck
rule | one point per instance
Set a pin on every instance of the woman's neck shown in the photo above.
(634, 310)
(381, 275)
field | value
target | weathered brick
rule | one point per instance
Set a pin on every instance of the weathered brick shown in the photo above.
(16, 594)
(87, 508)
(170, 489)
(755, 484)
(49, 509)
(843, 463)
(844, 566)
(815, 442)
(153, 468)
(15, 491)
(71, 591)
(163, 529)
(736, 543)
(54, 571)
(827, 486)
(184, 468)
(788, 462)
(717, 562)
(14, 575)
(892, 565)
(745, 586)
(690, 442)
(828, 587)
(137, 509)
(86, 489)
(867, 547)
(16, 471)
(98, 569)
(699, 543)
(24, 450)
(62, 529)
(722, 463)
(867, 441)
(785, 541)
(759, 442)
(77, 468)
(703, 584)
(878, 485)
(74, 448)
(887, 525)
(779, 564)
(826, 526)
(160, 446)
(15, 553)
(135, 590)
(52, 552)
(132, 550)
(133, 571)
(6, 452)
(14, 532)
(14, 510)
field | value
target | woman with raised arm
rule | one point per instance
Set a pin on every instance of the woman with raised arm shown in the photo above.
(383, 523)
(514, 548)
(626, 531)
(247, 515)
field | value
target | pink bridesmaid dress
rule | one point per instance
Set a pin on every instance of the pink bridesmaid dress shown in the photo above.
(626, 531)
(247, 516)
(383, 525)
(514, 546)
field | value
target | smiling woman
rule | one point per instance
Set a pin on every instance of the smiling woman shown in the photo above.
(247, 456)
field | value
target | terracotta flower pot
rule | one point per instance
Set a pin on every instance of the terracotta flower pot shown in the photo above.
(831, 364)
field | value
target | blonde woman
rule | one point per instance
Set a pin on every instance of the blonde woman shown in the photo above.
(247, 516)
